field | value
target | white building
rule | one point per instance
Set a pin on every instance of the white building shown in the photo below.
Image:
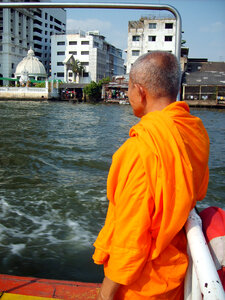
(99, 58)
(148, 35)
(16, 37)
(21, 29)
(47, 21)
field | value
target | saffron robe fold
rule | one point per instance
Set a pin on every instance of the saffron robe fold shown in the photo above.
(154, 181)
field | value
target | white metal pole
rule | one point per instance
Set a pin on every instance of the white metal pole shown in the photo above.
(209, 281)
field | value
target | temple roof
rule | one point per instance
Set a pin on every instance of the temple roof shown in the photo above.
(31, 65)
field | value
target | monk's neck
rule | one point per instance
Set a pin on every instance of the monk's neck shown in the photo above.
(154, 104)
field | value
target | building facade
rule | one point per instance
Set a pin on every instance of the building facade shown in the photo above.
(16, 37)
(204, 82)
(99, 58)
(21, 29)
(149, 34)
(47, 21)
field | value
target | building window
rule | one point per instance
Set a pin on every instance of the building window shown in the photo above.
(51, 18)
(168, 38)
(46, 16)
(36, 38)
(151, 38)
(85, 63)
(85, 74)
(152, 25)
(135, 52)
(61, 53)
(12, 65)
(84, 52)
(59, 63)
(73, 43)
(60, 74)
(73, 52)
(84, 42)
(70, 74)
(38, 30)
(136, 38)
(169, 26)
(96, 45)
(60, 43)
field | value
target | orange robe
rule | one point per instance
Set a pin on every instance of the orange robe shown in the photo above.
(154, 181)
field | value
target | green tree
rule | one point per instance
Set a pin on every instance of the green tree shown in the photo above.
(40, 84)
(77, 70)
(93, 91)
(104, 81)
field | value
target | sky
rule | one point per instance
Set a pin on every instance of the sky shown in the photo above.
(203, 23)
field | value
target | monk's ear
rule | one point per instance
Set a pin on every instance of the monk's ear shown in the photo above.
(141, 92)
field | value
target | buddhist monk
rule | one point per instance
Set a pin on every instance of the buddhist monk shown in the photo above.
(155, 179)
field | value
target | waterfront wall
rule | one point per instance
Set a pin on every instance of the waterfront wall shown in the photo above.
(23, 93)
(29, 93)
(205, 103)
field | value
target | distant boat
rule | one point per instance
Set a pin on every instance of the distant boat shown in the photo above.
(124, 101)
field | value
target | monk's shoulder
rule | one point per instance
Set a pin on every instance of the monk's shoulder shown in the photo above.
(128, 151)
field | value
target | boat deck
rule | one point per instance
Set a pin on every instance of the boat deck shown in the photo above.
(30, 288)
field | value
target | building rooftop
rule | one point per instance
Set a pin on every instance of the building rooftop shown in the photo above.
(31, 65)
(204, 73)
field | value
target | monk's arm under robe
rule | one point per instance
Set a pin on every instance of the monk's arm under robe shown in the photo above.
(124, 243)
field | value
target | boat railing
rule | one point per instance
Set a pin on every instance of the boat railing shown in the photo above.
(95, 5)
(202, 280)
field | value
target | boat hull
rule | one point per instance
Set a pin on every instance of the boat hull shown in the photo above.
(56, 289)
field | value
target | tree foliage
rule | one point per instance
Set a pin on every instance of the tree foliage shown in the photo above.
(94, 90)
(77, 68)
(40, 84)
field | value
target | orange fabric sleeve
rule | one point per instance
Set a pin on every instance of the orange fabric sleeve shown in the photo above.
(129, 212)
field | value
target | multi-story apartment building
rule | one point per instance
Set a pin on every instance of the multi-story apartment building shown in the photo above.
(149, 34)
(16, 37)
(99, 58)
(47, 21)
(21, 29)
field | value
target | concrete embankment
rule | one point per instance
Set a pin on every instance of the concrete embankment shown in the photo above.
(206, 103)
(28, 93)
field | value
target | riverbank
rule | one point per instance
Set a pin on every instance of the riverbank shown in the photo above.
(205, 104)
(191, 103)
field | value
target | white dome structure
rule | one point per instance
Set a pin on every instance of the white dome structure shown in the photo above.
(31, 68)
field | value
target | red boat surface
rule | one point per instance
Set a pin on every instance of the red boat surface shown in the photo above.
(28, 288)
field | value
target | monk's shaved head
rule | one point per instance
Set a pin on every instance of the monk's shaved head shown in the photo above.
(159, 72)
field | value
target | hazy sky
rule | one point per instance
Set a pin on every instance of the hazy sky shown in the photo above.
(203, 23)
